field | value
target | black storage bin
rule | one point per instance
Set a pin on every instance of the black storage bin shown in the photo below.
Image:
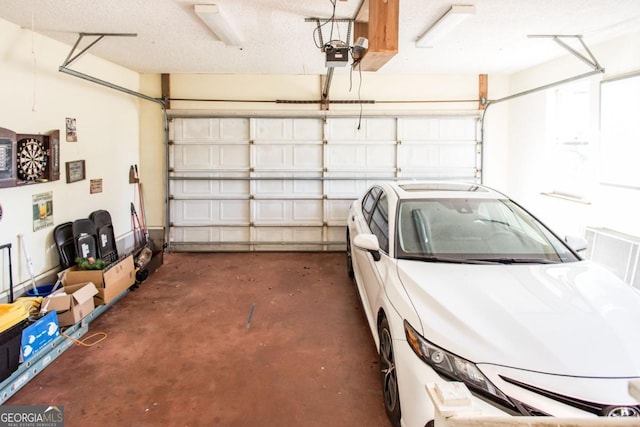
(10, 349)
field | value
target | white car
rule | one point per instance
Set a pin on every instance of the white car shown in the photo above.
(460, 283)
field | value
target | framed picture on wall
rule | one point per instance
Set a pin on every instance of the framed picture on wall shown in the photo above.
(72, 135)
(75, 171)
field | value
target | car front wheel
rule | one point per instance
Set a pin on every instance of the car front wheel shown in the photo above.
(388, 376)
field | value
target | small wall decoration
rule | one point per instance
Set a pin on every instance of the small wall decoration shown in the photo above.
(95, 186)
(72, 136)
(42, 209)
(75, 171)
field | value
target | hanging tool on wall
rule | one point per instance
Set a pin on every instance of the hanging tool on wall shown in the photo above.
(29, 263)
(136, 226)
(141, 234)
(147, 242)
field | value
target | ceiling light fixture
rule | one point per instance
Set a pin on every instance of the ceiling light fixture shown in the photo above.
(212, 16)
(445, 24)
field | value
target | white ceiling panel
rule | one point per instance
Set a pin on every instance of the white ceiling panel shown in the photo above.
(277, 40)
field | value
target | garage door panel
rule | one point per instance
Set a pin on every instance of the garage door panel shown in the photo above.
(288, 234)
(288, 189)
(192, 188)
(307, 130)
(195, 234)
(457, 129)
(211, 185)
(233, 129)
(433, 129)
(346, 129)
(336, 234)
(208, 130)
(337, 211)
(207, 157)
(381, 157)
(306, 185)
(294, 212)
(193, 130)
(356, 184)
(287, 129)
(360, 157)
(195, 157)
(437, 155)
(287, 157)
(346, 157)
(307, 157)
(418, 129)
(458, 155)
(341, 187)
(234, 156)
(210, 212)
(212, 234)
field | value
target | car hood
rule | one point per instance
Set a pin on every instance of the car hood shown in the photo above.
(565, 319)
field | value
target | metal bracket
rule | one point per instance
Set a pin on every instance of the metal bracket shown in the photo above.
(590, 61)
(323, 21)
(64, 68)
(99, 36)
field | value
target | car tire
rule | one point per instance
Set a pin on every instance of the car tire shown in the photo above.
(388, 375)
(349, 258)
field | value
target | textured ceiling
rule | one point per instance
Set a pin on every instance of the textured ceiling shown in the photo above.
(277, 40)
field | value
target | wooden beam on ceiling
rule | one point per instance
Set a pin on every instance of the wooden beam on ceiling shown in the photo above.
(377, 20)
(483, 91)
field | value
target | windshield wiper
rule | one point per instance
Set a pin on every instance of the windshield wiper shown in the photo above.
(506, 260)
(506, 224)
(433, 258)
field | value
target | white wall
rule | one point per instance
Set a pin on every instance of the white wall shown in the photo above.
(36, 98)
(527, 169)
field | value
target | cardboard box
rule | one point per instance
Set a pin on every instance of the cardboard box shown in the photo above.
(111, 282)
(38, 335)
(72, 302)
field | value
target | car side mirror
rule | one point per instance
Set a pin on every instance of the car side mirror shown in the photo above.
(576, 243)
(369, 243)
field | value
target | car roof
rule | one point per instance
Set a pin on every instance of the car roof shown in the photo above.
(443, 189)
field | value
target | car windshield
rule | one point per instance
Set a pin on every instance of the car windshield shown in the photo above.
(475, 231)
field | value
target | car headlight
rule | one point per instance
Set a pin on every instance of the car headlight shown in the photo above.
(451, 366)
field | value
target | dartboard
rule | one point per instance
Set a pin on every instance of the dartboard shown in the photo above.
(31, 159)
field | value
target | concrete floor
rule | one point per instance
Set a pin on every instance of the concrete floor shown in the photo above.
(178, 352)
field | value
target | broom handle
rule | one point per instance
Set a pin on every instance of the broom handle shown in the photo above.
(27, 258)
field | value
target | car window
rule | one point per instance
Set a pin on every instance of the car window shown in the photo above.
(369, 201)
(379, 223)
(476, 229)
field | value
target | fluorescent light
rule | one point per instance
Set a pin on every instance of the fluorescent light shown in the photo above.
(447, 22)
(213, 17)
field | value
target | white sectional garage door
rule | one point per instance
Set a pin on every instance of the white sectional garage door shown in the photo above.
(286, 183)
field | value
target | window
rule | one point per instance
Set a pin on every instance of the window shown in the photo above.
(571, 141)
(379, 223)
(620, 132)
(369, 202)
